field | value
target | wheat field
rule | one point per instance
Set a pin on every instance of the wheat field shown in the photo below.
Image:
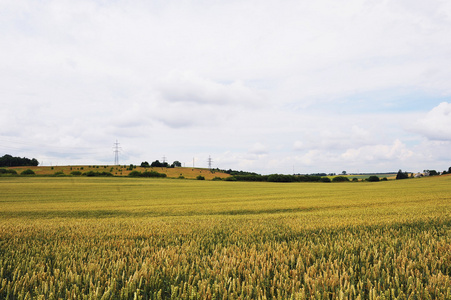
(141, 238)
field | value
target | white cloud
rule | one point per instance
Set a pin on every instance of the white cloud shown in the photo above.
(395, 152)
(298, 145)
(436, 125)
(333, 137)
(267, 84)
(258, 148)
(191, 88)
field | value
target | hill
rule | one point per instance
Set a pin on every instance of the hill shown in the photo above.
(189, 173)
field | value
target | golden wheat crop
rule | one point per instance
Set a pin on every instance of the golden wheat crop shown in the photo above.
(134, 238)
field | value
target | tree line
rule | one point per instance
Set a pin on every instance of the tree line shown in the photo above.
(11, 161)
(405, 175)
(158, 164)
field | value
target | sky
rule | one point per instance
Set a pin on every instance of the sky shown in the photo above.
(264, 86)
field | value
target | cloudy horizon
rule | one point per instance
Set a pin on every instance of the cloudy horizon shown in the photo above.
(263, 86)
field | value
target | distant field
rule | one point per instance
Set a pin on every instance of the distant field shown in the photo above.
(189, 173)
(125, 238)
(364, 176)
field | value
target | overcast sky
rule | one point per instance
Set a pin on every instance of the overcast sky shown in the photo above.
(263, 86)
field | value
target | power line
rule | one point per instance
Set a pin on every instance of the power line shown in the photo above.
(209, 162)
(116, 153)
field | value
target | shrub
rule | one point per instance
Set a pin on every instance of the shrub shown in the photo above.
(324, 179)
(384, 179)
(8, 171)
(75, 173)
(355, 179)
(92, 173)
(308, 178)
(200, 177)
(181, 177)
(280, 178)
(217, 178)
(153, 174)
(249, 177)
(373, 178)
(135, 174)
(146, 174)
(231, 178)
(59, 173)
(28, 172)
(340, 179)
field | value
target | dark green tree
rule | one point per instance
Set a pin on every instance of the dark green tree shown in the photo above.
(10, 161)
(8, 172)
(135, 174)
(373, 178)
(340, 179)
(158, 164)
(176, 164)
(27, 172)
(402, 175)
(325, 179)
(433, 172)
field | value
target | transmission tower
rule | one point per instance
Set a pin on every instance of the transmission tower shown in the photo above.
(116, 153)
(209, 162)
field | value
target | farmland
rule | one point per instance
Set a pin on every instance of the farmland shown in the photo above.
(126, 238)
(188, 173)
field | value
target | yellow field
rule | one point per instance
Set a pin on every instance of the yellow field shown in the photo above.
(188, 173)
(125, 238)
